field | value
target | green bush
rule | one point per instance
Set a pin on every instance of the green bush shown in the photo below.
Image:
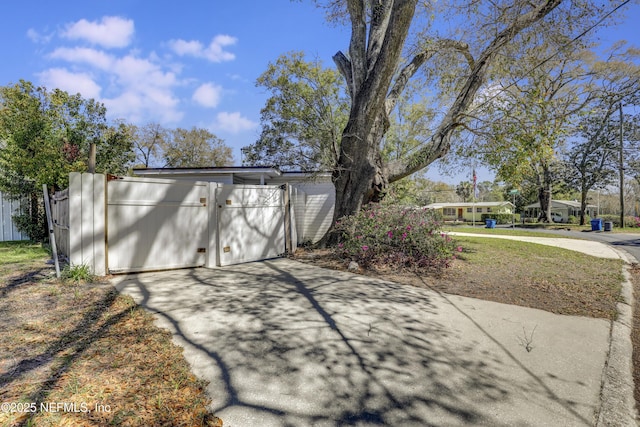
(501, 218)
(573, 219)
(397, 238)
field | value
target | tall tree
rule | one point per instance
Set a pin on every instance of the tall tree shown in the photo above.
(377, 74)
(302, 119)
(195, 148)
(528, 123)
(148, 142)
(44, 135)
(491, 191)
(592, 161)
(464, 190)
(47, 134)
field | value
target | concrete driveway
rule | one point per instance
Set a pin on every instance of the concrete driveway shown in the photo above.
(288, 344)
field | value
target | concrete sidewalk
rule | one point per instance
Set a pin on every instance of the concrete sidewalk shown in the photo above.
(588, 247)
(288, 344)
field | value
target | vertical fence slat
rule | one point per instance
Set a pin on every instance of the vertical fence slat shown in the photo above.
(99, 226)
(75, 218)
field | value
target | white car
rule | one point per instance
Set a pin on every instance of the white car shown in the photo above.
(556, 217)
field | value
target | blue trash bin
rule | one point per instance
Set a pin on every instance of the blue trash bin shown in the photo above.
(490, 223)
(596, 224)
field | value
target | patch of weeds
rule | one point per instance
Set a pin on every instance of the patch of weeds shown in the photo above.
(78, 274)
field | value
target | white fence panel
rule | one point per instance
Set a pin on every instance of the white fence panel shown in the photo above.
(156, 224)
(8, 230)
(87, 221)
(250, 223)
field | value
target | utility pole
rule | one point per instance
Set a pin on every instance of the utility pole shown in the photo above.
(621, 165)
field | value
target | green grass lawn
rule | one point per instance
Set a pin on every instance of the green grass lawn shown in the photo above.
(21, 252)
(532, 229)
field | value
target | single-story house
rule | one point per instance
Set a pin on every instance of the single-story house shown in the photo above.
(467, 211)
(560, 209)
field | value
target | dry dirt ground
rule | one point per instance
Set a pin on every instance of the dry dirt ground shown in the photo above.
(76, 354)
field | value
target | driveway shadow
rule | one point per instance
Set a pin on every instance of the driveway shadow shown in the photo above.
(287, 344)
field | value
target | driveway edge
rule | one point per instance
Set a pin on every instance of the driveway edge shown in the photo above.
(617, 401)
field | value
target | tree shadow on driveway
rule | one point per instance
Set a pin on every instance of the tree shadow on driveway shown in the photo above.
(287, 344)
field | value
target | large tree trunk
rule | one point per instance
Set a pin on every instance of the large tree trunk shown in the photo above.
(362, 177)
(583, 203)
(375, 83)
(544, 196)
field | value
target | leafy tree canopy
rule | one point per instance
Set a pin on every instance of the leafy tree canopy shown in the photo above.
(195, 147)
(302, 120)
(44, 135)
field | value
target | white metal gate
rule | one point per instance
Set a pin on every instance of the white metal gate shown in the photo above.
(250, 221)
(155, 224)
(124, 224)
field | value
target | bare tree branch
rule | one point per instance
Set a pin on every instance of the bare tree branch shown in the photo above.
(440, 142)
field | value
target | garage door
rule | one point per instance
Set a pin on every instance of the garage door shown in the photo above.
(155, 224)
(250, 223)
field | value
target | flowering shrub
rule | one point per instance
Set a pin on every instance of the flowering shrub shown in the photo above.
(397, 238)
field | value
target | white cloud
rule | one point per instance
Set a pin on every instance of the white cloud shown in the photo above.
(208, 95)
(89, 56)
(214, 52)
(145, 90)
(233, 122)
(110, 32)
(60, 78)
(36, 37)
(137, 107)
(186, 48)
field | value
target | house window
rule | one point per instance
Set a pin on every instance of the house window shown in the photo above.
(479, 210)
(449, 211)
(488, 209)
(470, 210)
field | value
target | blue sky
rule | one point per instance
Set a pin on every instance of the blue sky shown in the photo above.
(181, 64)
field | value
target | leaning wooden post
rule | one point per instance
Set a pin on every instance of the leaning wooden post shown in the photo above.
(52, 236)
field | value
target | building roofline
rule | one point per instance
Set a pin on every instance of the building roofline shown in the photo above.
(229, 170)
(206, 170)
(468, 204)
